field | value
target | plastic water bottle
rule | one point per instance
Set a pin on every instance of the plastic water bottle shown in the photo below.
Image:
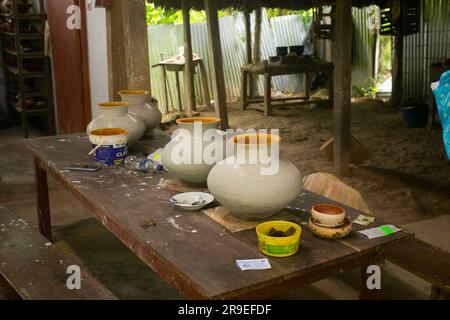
(142, 165)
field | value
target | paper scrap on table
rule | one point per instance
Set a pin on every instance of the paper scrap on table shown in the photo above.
(364, 220)
(380, 231)
(254, 264)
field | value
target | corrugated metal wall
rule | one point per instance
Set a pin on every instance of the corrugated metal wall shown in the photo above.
(363, 48)
(431, 45)
(279, 31)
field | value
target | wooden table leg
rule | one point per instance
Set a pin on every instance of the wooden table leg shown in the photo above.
(180, 103)
(307, 85)
(331, 88)
(206, 94)
(267, 94)
(371, 276)
(244, 87)
(43, 202)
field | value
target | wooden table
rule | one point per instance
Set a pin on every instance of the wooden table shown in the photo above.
(177, 66)
(306, 66)
(188, 249)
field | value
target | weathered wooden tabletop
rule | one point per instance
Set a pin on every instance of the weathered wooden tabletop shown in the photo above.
(305, 66)
(188, 249)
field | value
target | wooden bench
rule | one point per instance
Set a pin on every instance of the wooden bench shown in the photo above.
(31, 268)
(425, 261)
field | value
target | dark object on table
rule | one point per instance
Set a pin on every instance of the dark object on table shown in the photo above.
(280, 234)
(282, 51)
(298, 50)
(274, 59)
(415, 114)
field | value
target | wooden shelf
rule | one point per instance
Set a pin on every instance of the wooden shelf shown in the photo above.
(26, 74)
(25, 55)
(30, 111)
(25, 16)
(24, 36)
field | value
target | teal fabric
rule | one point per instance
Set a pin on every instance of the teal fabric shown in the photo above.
(442, 94)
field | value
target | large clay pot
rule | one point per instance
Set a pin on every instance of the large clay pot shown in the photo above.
(242, 186)
(115, 115)
(189, 167)
(141, 108)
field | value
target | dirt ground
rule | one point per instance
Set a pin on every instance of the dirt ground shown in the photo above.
(407, 177)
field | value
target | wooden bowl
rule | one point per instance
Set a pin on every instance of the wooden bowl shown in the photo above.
(331, 233)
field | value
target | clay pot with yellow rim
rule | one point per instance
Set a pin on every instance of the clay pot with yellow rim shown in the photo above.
(142, 108)
(184, 157)
(115, 115)
(255, 183)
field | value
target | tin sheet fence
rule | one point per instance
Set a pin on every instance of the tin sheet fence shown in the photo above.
(430, 45)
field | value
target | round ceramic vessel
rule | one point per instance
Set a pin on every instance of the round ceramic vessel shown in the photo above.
(142, 108)
(245, 185)
(328, 215)
(183, 155)
(115, 115)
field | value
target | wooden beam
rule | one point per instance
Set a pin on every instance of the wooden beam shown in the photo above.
(189, 56)
(397, 72)
(128, 58)
(257, 45)
(218, 83)
(342, 57)
(248, 44)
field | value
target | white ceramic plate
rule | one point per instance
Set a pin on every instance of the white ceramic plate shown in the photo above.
(184, 200)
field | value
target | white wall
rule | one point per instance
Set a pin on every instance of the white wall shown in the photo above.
(98, 62)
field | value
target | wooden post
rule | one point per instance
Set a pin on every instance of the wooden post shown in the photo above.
(220, 97)
(342, 87)
(128, 58)
(257, 46)
(248, 44)
(397, 72)
(189, 63)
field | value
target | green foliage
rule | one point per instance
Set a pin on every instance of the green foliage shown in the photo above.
(158, 15)
(367, 90)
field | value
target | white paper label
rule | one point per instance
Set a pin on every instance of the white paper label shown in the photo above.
(254, 264)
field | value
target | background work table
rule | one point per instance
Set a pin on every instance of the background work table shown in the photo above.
(188, 249)
(305, 66)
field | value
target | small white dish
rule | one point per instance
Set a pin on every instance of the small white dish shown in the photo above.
(192, 201)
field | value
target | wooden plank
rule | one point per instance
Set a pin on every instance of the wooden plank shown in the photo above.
(257, 45)
(37, 270)
(397, 72)
(342, 90)
(267, 95)
(244, 90)
(306, 66)
(248, 43)
(43, 202)
(423, 260)
(204, 76)
(189, 64)
(220, 97)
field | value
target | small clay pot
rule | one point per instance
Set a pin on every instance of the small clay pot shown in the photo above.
(328, 215)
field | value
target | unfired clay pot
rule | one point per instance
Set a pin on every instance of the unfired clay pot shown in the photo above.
(115, 115)
(191, 171)
(239, 184)
(140, 106)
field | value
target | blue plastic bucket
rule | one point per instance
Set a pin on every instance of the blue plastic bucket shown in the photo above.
(110, 146)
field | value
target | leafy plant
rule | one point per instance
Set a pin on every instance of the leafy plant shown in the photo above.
(367, 90)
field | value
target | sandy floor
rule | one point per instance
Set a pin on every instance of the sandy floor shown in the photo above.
(407, 177)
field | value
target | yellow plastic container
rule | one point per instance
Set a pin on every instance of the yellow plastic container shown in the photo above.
(278, 247)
